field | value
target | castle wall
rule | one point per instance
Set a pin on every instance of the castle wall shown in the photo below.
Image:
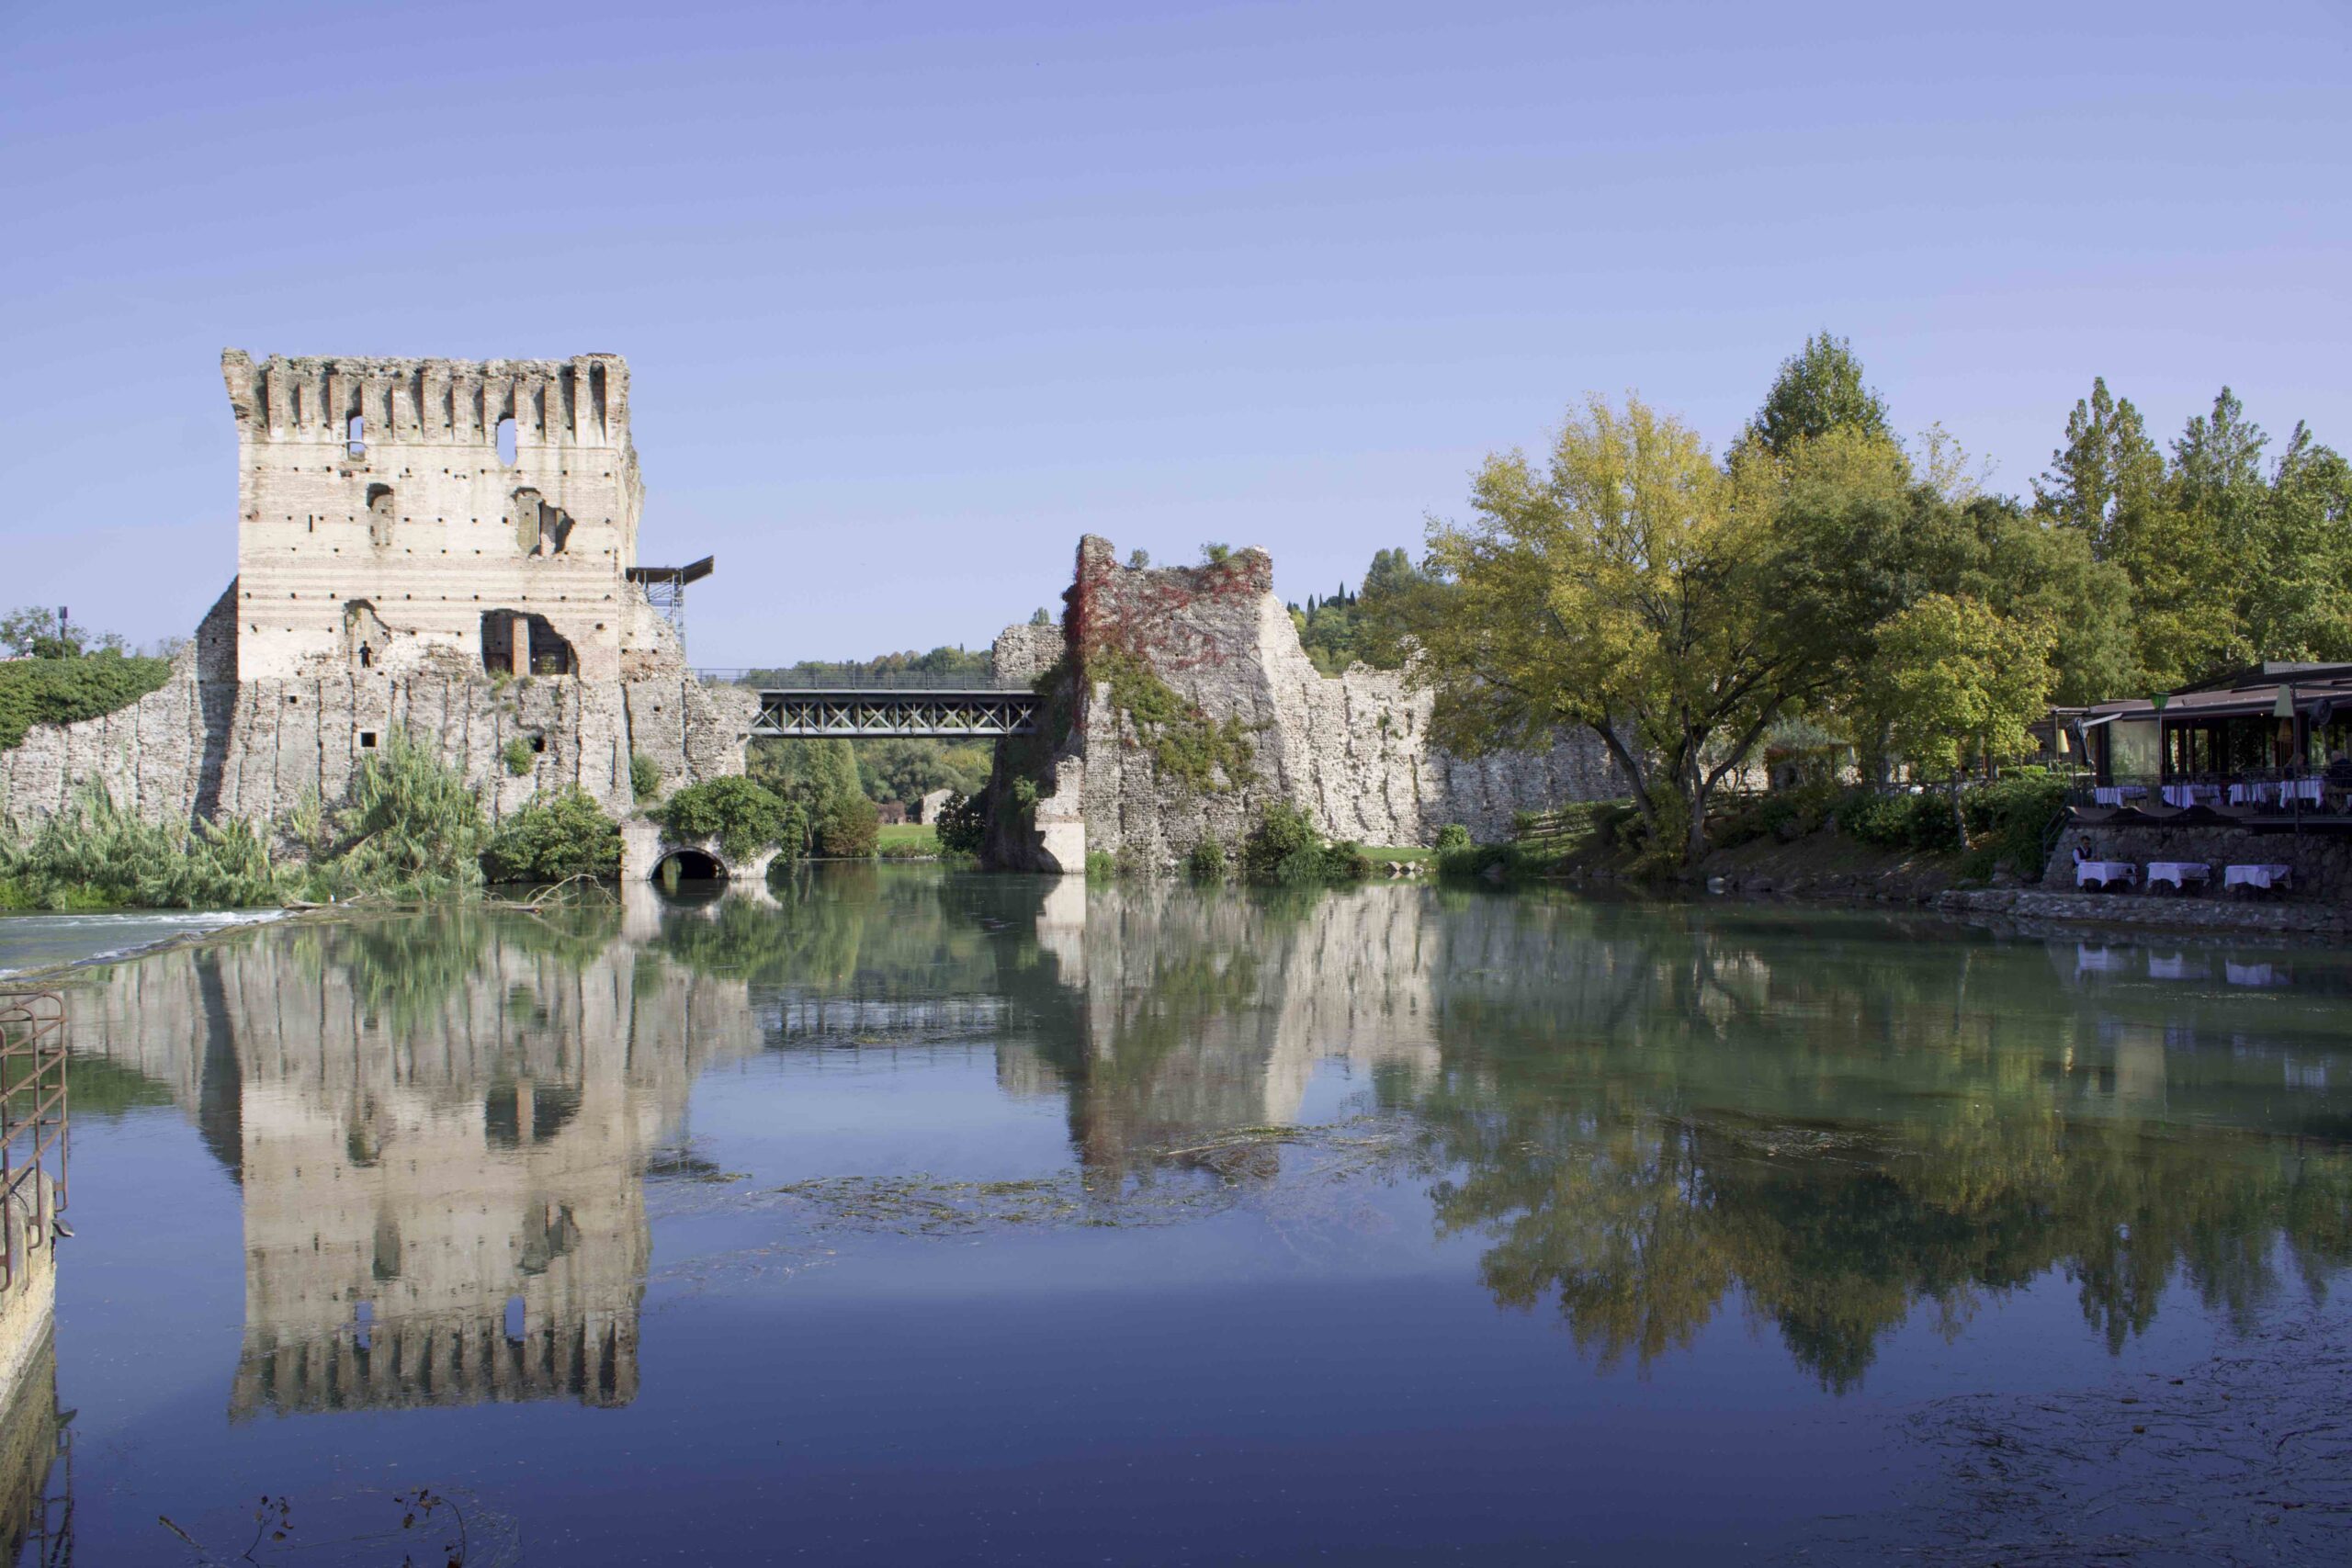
(202, 746)
(1352, 751)
(386, 549)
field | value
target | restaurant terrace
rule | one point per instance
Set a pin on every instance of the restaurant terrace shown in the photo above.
(2265, 746)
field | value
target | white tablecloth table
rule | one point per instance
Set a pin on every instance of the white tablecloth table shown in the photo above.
(2304, 789)
(2185, 795)
(2103, 872)
(2258, 875)
(2252, 794)
(2179, 872)
(2116, 795)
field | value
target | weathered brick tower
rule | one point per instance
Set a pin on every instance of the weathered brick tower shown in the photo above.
(399, 514)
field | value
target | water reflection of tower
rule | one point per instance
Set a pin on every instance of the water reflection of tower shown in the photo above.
(441, 1144)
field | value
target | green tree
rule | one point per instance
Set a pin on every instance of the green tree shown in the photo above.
(1819, 389)
(811, 775)
(1962, 680)
(1632, 587)
(2106, 476)
(36, 631)
(744, 815)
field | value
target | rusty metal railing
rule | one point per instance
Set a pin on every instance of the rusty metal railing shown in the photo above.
(32, 1117)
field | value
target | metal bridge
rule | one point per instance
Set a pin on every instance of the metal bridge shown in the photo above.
(811, 705)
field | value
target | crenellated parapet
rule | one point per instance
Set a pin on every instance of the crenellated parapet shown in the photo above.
(581, 401)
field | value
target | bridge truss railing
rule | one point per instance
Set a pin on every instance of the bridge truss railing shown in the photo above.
(896, 714)
(856, 678)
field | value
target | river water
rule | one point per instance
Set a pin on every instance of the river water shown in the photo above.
(908, 1216)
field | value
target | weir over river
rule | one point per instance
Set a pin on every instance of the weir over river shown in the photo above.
(911, 1216)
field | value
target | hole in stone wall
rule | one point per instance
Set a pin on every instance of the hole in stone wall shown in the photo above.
(514, 1324)
(516, 643)
(355, 435)
(506, 441)
(368, 741)
(380, 515)
(539, 529)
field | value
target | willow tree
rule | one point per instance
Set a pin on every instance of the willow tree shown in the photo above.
(1630, 587)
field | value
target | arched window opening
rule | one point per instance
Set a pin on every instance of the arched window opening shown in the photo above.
(506, 441)
(355, 435)
(380, 515)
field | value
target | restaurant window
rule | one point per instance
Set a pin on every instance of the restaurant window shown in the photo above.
(2132, 749)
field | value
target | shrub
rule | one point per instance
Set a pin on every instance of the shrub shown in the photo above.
(848, 827)
(743, 816)
(1206, 866)
(1101, 865)
(2019, 815)
(414, 830)
(1472, 860)
(66, 691)
(565, 834)
(644, 777)
(963, 825)
(1452, 836)
(519, 756)
(1897, 821)
(1283, 849)
(95, 855)
(1345, 862)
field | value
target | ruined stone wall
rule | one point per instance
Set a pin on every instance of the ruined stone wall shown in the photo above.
(206, 745)
(1352, 751)
(1022, 653)
(387, 547)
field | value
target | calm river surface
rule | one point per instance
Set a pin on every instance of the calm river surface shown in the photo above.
(908, 1216)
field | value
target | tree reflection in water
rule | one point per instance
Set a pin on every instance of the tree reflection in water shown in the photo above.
(1642, 1113)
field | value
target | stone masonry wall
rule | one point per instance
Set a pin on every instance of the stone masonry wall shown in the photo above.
(2323, 863)
(205, 745)
(1352, 751)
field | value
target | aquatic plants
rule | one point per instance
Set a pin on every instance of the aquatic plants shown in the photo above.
(413, 830)
(97, 854)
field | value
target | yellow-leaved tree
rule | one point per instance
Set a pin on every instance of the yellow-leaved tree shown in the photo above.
(1962, 680)
(1630, 587)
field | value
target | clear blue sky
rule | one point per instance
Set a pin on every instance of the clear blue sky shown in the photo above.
(916, 294)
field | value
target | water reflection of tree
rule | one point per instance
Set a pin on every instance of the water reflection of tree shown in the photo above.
(1672, 1108)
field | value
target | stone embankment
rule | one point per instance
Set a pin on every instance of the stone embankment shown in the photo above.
(2254, 916)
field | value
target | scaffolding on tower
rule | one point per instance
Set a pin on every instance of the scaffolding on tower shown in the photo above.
(665, 588)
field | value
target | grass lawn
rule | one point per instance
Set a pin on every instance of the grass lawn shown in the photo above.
(1398, 854)
(921, 833)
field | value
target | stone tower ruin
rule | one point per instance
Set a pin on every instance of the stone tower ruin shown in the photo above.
(401, 514)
